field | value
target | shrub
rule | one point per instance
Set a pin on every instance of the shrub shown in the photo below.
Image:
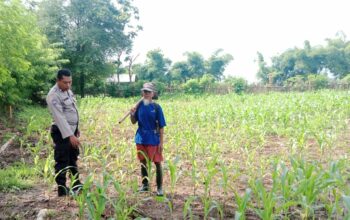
(318, 81)
(192, 86)
(238, 84)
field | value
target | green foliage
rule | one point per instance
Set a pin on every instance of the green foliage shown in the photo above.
(311, 81)
(158, 68)
(16, 177)
(92, 32)
(196, 64)
(35, 118)
(346, 79)
(179, 72)
(192, 86)
(297, 82)
(207, 81)
(196, 86)
(333, 58)
(318, 81)
(155, 68)
(27, 60)
(217, 63)
(264, 71)
(238, 84)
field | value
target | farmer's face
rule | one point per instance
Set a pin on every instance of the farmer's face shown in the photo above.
(147, 95)
(65, 83)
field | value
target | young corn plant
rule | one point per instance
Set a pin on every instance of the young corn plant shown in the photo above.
(311, 181)
(122, 209)
(187, 210)
(284, 179)
(242, 204)
(266, 200)
(224, 183)
(174, 175)
(81, 198)
(346, 202)
(208, 177)
(97, 198)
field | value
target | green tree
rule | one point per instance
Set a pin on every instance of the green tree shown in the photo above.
(238, 84)
(338, 56)
(318, 81)
(217, 63)
(92, 32)
(263, 71)
(156, 67)
(180, 72)
(196, 64)
(334, 58)
(27, 60)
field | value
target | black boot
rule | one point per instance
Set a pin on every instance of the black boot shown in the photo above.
(144, 174)
(77, 185)
(159, 179)
(62, 191)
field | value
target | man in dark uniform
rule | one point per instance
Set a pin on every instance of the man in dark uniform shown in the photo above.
(64, 131)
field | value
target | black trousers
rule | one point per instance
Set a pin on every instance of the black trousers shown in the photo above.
(65, 157)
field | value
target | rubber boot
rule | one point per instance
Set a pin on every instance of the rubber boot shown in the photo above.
(144, 174)
(62, 191)
(159, 174)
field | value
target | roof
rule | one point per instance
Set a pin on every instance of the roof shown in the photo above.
(123, 78)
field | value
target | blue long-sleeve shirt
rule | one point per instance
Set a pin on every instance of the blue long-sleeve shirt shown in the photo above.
(146, 116)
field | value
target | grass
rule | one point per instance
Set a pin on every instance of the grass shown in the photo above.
(18, 176)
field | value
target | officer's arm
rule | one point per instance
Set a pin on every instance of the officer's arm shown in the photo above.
(56, 110)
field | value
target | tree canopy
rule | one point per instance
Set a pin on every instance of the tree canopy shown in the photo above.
(92, 33)
(27, 60)
(333, 59)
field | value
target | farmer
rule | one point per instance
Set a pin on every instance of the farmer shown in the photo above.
(64, 131)
(149, 136)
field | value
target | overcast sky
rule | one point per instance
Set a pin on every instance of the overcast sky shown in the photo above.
(239, 27)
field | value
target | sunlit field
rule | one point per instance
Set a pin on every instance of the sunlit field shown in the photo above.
(266, 156)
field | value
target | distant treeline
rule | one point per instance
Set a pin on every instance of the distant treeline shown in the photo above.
(94, 39)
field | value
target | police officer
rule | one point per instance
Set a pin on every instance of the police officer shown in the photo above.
(64, 131)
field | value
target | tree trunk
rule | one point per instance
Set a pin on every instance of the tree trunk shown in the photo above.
(11, 112)
(82, 85)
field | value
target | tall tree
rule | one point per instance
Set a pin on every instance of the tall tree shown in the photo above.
(92, 32)
(27, 61)
(264, 70)
(217, 63)
(155, 68)
(180, 72)
(196, 64)
(338, 56)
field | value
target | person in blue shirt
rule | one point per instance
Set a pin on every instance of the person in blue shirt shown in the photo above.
(149, 136)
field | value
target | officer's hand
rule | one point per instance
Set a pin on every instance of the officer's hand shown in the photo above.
(78, 134)
(74, 141)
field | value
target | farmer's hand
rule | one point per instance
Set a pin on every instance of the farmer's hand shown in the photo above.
(160, 147)
(74, 141)
(78, 134)
(132, 111)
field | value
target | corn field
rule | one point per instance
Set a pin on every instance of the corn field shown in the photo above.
(266, 156)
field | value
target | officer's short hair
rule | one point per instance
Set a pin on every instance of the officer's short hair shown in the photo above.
(63, 72)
